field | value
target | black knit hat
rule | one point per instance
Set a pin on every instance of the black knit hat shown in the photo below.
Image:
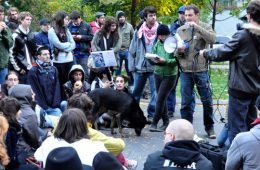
(163, 30)
(64, 158)
(119, 14)
(105, 161)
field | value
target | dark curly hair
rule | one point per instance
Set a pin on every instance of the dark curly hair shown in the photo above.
(106, 28)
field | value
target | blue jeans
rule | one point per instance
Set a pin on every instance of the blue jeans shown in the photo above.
(139, 83)
(84, 63)
(201, 79)
(46, 115)
(222, 138)
(3, 73)
(171, 101)
(241, 113)
(123, 56)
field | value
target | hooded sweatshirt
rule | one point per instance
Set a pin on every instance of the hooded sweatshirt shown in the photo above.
(177, 155)
(30, 139)
(68, 86)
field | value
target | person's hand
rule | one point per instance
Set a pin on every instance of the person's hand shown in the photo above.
(107, 84)
(160, 60)
(2, 26)
(201, 53)
(181, 49)
(192, 23)
(22, 71)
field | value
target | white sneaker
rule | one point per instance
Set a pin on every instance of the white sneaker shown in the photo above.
(197, 139)
(132, 164)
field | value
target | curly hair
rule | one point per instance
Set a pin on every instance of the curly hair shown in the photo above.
(10, 106)
(4, 159)
(106, 28)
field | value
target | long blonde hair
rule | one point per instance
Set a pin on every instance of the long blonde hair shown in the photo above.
(4, 159)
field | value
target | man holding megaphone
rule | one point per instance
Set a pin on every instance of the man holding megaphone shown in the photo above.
(194, 69)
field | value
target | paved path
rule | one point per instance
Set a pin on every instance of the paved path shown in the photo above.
(139, 147)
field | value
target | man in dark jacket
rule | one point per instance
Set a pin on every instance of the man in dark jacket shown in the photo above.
(42, 37)
(82, 35)
(180, 151)
(24, 48)
(44, 81)
(244, 74)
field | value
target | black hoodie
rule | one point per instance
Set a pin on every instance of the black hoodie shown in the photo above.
(177, 155)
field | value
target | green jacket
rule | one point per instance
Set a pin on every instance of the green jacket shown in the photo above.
(168, 68)
(198, 39)
(127, 33)
(6, 42)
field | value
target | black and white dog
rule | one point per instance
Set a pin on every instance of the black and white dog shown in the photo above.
(121, 104)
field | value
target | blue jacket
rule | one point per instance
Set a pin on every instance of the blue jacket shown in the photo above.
(42, 39)
(46, 86)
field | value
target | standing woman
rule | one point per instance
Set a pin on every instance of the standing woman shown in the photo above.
(62, 45)
(107, 38)
(165, 76)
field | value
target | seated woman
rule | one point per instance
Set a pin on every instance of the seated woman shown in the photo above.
(113, 145)
(71, 132)
(4, 159)
(11, 110)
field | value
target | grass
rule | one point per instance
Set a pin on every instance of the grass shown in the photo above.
(218, 80)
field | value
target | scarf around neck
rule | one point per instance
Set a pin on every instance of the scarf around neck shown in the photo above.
(149, 34)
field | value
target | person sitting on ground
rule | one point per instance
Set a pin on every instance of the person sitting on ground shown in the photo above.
(71, 131)
(180, 150)
(76, 84)
(33, 135)
(11, 79)
(4, 159)
(44, 80)
(113, 145)
(11, 110)
(242, 153)
(65, 158)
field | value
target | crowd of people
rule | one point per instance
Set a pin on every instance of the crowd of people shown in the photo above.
(45, 78)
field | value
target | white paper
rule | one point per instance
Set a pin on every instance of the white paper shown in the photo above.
(151, 56)
(104, 59)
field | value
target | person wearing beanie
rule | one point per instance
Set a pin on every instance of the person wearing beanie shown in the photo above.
(99, 22)
(165, 76)
(126, 31)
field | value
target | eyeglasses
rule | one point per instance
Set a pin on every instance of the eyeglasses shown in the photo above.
(11, 79)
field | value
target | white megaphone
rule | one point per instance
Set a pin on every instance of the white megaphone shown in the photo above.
(172, 43)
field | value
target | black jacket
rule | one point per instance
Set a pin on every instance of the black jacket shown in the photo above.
(177, 155)
(86, 36)
(244, 56)
(18, 59)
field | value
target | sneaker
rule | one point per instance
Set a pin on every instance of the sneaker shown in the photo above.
(149, 120)
(163, 127)
(170, 114)
(197, 139)
(132, 164)
(211, 133)
(153, 128)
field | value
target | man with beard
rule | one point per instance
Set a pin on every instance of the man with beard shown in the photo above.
(126, 30)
